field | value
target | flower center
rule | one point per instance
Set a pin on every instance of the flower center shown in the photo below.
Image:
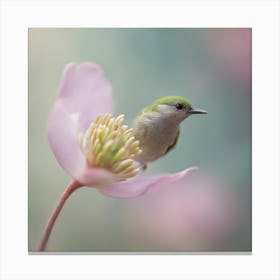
(109, 144)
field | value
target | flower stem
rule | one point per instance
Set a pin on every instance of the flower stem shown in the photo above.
(46, 234)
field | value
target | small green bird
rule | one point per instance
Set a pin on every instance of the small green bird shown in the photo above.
(157, 126)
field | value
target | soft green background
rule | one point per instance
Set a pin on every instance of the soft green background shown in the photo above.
(210, 67)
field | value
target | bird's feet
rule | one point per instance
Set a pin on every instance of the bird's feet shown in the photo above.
(144, 166)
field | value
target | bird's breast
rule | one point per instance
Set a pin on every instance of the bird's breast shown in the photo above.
(155, 136)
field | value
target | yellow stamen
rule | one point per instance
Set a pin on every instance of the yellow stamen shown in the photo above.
(109, 144)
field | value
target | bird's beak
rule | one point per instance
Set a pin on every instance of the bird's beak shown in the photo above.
(197, 111)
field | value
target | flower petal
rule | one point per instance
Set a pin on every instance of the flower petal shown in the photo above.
(96, 177)
(140, 184)
(84, 93)
(85, 90)
(63, 139)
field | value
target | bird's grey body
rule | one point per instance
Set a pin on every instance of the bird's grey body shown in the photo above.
(156, 134)
(157, 126)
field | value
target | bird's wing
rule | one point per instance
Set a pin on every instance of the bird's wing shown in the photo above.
(174, 143)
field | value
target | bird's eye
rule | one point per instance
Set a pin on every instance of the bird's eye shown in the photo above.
(179, 106)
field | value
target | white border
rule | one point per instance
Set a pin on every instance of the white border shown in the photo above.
(17, 16)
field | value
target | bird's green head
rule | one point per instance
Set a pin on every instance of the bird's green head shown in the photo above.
(176, 107)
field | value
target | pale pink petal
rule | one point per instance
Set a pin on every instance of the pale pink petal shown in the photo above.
(64, 142)
(84, 93)
(141, 184)
(96, 177)
(63, 139)
(85, 89)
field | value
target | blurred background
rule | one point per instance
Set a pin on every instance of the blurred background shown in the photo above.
(210, 210)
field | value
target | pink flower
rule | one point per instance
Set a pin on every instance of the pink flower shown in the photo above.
(84, 94)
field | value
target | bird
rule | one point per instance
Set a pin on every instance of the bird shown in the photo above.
(157, 127)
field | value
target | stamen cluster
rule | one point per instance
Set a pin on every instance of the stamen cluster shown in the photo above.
(109, 144)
